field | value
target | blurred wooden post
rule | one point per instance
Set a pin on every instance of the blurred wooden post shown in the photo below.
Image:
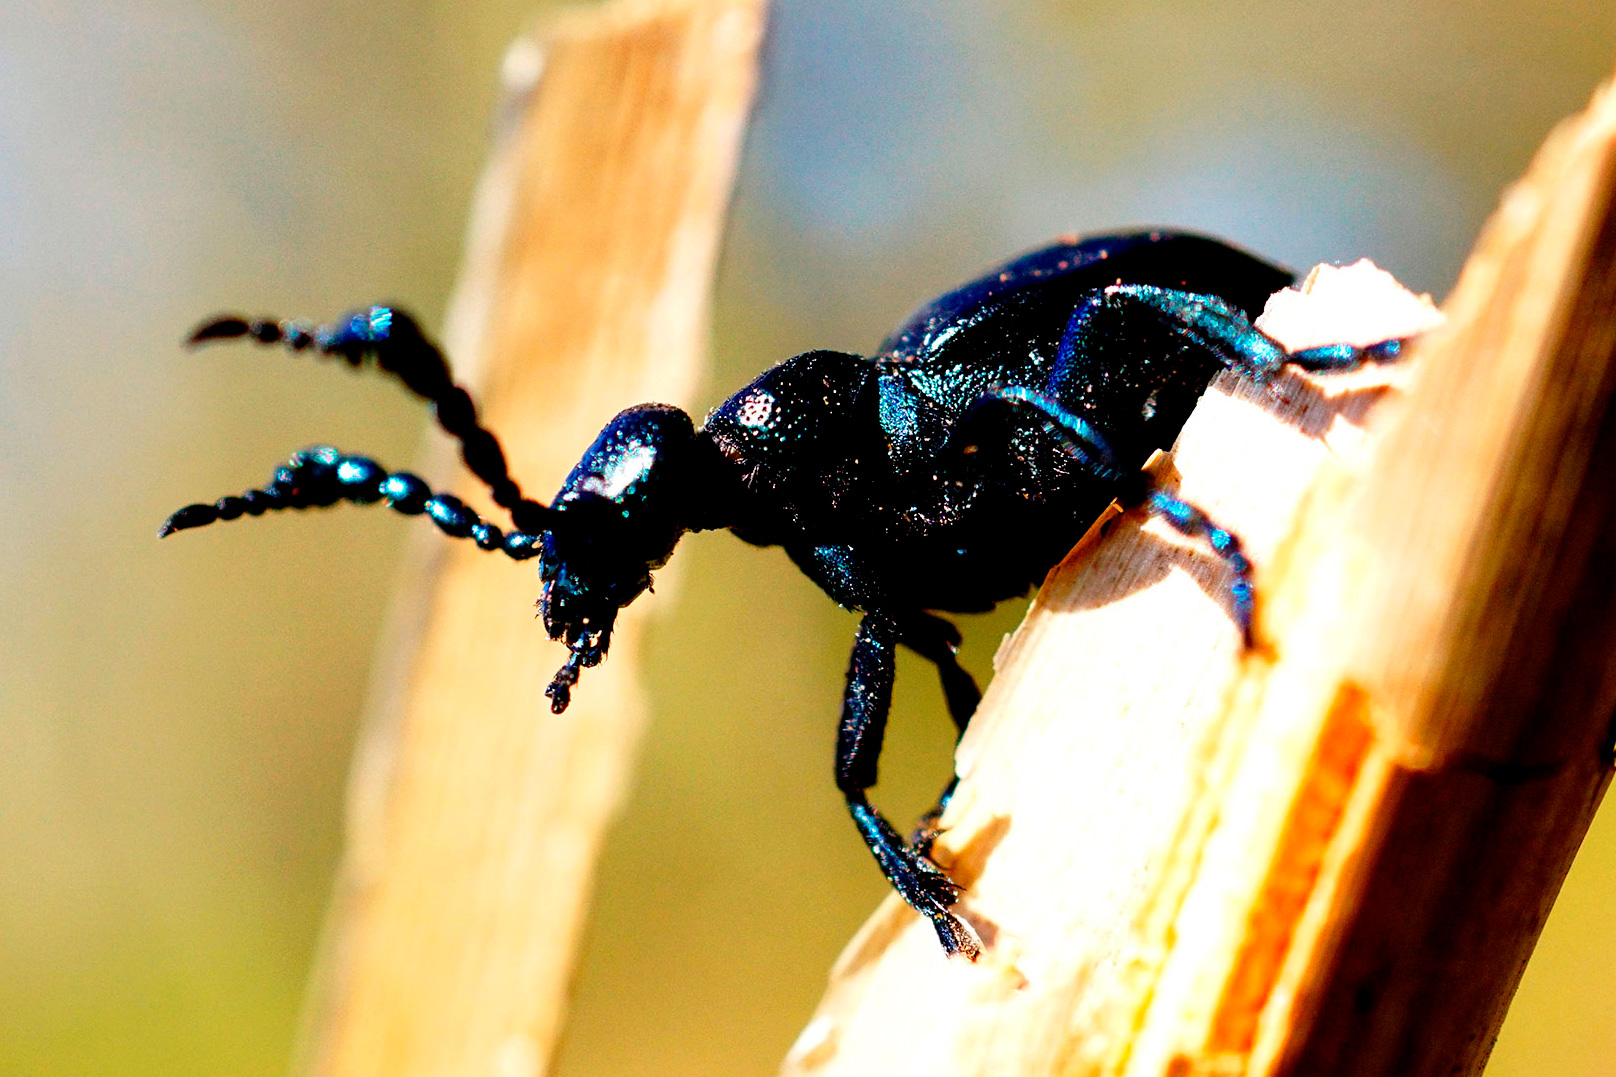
(1330, 855)
(475, 813)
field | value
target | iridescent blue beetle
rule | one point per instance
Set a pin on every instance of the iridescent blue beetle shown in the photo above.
(949, 471)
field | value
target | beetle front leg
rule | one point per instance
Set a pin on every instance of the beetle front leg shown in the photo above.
(858, 751)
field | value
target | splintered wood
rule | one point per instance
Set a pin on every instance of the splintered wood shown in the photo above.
(475, 813)
(1331, 854)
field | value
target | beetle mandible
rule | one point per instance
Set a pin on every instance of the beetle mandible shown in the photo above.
(947, 472)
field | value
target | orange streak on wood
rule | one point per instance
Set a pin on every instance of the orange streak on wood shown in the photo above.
(1314, 821)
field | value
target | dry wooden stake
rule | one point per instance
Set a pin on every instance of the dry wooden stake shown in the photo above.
(475, 813)
(1329, 855)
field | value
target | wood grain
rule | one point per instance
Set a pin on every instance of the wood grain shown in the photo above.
(1330, 854)
(475, 813)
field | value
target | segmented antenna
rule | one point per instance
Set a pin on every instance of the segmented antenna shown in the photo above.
(322, 476)
(394, 340)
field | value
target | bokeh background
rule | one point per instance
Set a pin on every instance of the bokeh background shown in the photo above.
(175, 719)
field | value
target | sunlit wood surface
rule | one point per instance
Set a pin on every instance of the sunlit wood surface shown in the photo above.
(1330, 854)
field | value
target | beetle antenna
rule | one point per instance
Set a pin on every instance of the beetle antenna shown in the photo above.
(321, 476)
(395, 341)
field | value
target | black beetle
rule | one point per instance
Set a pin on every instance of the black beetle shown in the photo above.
(949, 471)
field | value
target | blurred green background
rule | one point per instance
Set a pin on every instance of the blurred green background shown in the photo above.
(175, 719)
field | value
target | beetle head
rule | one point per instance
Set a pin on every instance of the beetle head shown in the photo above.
(616, 519)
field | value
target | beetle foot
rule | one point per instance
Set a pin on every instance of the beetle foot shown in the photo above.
(926, 832)
(922, 884)
(930, 891)
(958, 940)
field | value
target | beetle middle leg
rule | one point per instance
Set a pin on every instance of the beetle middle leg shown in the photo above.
(937, 641)
(1089, 448)
(922, 884)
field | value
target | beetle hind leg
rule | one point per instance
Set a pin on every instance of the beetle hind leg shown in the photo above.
(1342, 357)
(1225, 332)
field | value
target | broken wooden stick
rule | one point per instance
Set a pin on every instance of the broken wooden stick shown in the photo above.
(475, 813)
(1331, 853)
